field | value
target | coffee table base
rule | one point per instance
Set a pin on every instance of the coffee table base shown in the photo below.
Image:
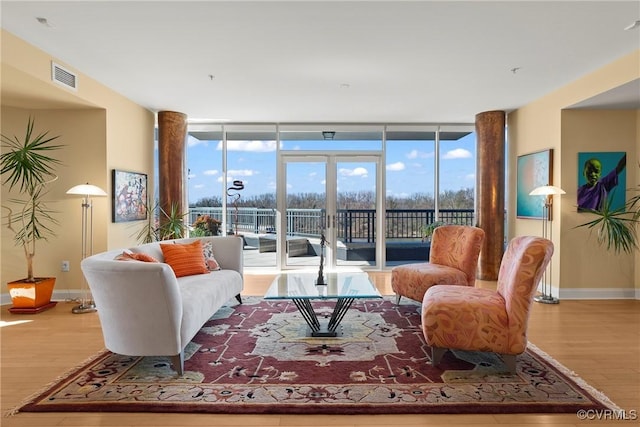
(316, 329)
(325, 333)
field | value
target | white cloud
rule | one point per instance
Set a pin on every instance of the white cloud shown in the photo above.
(359, 171)
(415, 154)
(241, 172)
(471, 177)
(458, 153)
(253, 146)
(191, 175)
(211, 172)
(397, 166)
(198, 186)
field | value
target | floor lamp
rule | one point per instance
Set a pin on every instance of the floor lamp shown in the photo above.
(548, 191)
(86, 191)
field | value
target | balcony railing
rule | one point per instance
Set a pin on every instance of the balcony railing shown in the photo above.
(353, 225)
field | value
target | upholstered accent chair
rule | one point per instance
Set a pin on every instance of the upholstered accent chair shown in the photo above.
(453, 260)
(487, 320)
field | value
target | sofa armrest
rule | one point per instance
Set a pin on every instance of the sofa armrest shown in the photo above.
(136, 297)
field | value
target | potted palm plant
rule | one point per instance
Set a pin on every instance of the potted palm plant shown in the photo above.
(162, 225)
(616, 228)
(27, 166)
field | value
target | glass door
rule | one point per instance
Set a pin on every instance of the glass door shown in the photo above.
(331, 205)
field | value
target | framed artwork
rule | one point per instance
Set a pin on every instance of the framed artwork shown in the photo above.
(601, 176)
(129, 196)
(533, 170)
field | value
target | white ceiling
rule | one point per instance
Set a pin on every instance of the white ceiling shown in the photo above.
(332, 61)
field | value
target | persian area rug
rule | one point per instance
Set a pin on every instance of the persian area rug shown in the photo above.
(255, 358)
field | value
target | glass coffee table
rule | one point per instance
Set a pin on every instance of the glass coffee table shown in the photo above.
(301, 288)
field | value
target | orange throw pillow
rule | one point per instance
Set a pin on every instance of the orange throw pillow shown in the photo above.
(185, 259)
(127, 256)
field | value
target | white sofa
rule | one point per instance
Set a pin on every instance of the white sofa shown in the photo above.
(145, 310)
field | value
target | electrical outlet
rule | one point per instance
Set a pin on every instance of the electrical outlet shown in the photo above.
(64, 266)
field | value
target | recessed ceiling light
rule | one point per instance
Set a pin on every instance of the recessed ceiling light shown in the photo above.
(632, 26)
(345, 86)
(44, 21)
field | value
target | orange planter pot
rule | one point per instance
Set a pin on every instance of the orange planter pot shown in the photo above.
(30, 297)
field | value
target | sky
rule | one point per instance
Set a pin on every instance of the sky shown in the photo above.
(408, 166)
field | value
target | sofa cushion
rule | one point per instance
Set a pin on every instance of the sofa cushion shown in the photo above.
(152, 249)
(139, 256)
(185, 259)
(209, 258)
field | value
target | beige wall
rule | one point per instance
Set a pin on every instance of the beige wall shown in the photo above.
(593, 131)
(101, 130)
(580, 269)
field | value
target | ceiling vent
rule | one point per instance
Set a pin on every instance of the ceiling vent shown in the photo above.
(64, 77)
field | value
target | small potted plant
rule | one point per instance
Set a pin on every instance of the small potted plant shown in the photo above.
(427, 230)
(205, 225)
(26, 165)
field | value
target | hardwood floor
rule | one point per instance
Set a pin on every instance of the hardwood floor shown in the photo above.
(598, 340)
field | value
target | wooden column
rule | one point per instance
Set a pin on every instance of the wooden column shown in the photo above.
(172, 135)
(490, 183)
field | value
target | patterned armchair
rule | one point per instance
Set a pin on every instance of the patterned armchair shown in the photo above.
(453, 260)
(457, 317)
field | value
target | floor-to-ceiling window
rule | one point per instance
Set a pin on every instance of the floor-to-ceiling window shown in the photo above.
(457, 181)
(430, 178)
(387, 183)
(232, 179)
(457, 175)
(410, 191)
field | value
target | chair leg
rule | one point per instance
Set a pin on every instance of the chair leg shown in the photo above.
(239, 298)
(436, 355)
(510, 361)
(398, 296)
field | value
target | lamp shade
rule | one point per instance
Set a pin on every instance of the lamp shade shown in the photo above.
(547, 190)
(86, 190)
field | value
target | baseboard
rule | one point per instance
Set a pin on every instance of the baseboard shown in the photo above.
(598, 293)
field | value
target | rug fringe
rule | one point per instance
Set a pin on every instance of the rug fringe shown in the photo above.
(30, 399)
(603, 398)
